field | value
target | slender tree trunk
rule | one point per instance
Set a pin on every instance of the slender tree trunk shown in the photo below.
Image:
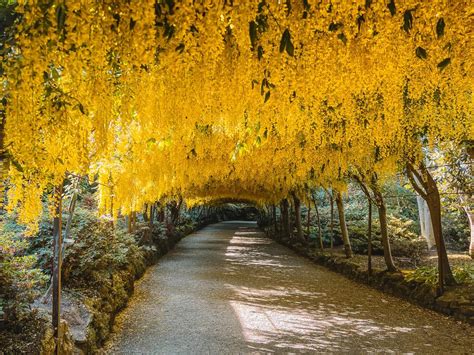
(426, 227)
(72, 207)
(382, 209)
(3, 160)
(134, 221)
(152, 213)
(175, 207)
(285, 218)
(342, 222)
(434, 205)
(425, 185)
(308, 222)
(299, 227)
(318, 219)
(282, 229)
(331, 225)
(291, 227)
(162, 215)
(275, 224)
(369, 239)
(470, 216)
(129, 222)
(145, 213)
(320, 231)
(57, 264)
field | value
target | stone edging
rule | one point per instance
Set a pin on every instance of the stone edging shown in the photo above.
(88, 321)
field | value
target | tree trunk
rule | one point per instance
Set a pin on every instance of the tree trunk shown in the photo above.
(318, 219)
(426, 228)
(369, 239)
(331, 225)
(285, 218)
(134, 221)
(275, 224)
(308, 221)
(145, 213)
(299, 228)
(470, 216)
(281, 217)
(175, 207)
(161, 216)
(129, 223)
(425, 185)
(57, 264)
(3, 160)
(72, 207)
(382, 209)
(343, 225)
(466, 205)
(152, 215)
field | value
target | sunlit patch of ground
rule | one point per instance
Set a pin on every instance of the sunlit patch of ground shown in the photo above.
(227, 289)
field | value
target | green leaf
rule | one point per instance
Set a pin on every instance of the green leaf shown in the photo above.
(284, 40)
(260, 52)
(334, 26)
(290, 49)
(180, 48)
(306, 5)
(421, 53)
(286, 44)
(342, 37)
(81, 108)
(392, 8)
(262, 87)
(444, 63)
(60, 16)
(253, 33)
(267, 96)
(407, 21)
(440, 25)
(17, 165)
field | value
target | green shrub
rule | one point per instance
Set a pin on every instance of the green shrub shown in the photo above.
(20, 280)
(403, 242)
(463, 274)
(427, 274)
(98, 250)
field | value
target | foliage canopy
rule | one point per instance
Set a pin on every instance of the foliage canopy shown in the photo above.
(229, 99)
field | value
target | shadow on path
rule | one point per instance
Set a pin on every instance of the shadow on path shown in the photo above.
(228, 289)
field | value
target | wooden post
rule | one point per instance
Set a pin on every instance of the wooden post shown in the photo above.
(57, 263)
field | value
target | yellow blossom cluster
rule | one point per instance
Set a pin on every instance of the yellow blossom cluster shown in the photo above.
(214, 99)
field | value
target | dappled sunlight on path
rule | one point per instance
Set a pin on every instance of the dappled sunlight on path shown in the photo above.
(229, 289)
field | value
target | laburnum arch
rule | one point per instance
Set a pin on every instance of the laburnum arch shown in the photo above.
(205, 100)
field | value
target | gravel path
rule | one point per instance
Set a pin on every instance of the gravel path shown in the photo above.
(227, 289)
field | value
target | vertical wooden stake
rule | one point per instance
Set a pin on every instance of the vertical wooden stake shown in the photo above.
(57, 263)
